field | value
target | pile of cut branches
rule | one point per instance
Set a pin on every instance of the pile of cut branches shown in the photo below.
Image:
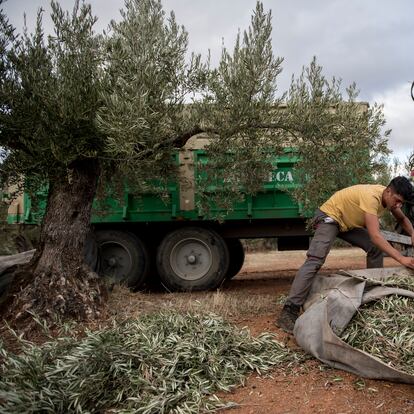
(385, 328)
(160, 363)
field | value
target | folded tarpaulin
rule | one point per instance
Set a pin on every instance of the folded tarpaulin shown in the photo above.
(331, 304)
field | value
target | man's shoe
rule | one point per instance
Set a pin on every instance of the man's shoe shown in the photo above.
(287, 317)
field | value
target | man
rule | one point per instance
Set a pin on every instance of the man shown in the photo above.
(351, 214)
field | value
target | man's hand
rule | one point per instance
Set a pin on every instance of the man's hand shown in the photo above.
(407, 262)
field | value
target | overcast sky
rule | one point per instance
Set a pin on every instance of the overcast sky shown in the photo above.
(367, 41)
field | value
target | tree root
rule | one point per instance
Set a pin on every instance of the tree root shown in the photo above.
(54, 297)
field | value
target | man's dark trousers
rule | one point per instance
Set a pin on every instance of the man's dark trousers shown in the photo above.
(325, 234)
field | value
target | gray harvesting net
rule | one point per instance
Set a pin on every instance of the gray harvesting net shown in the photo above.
(362, 322)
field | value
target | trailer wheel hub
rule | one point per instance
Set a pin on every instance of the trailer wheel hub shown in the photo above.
(191, 259)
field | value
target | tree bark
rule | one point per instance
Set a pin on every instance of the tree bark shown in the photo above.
(57, 281)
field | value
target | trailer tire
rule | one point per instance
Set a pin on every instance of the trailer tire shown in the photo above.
(192, 259)
(123, 258)
(236, 252)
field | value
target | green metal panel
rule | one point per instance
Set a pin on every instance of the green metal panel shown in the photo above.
(137, 208)
(273, 201)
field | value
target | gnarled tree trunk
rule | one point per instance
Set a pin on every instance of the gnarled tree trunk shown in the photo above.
(57, 281)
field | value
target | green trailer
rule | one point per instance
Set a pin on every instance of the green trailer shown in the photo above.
(141, 237)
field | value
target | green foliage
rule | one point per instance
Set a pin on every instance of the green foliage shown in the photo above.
(50, 96)
(161, 363)
(409, 165)
(245, 81)
(147, 81)
(339, 140)
(129, 98)
(241, 92)
(384, 329)
(392, 170)
(237, 109)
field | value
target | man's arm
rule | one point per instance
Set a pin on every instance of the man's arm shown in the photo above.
(373, 227)
(404, 222)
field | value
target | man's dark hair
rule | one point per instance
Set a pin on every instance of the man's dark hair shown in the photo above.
(403, 187)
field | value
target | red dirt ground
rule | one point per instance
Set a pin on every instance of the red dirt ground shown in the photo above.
(312, 388)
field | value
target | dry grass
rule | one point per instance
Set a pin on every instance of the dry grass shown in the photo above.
(125, 304)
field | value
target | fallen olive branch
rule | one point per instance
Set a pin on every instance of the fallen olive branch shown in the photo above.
(160, 363)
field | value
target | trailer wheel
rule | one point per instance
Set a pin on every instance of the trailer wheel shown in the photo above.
(192, 259)
(236, 252)
(123, 258)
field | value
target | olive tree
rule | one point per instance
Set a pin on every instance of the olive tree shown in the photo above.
(50, 93)
(78, 109)
(156, 99)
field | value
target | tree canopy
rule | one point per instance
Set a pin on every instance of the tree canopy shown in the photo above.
(129, 97)
(79, 109)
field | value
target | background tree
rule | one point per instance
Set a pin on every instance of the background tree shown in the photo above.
(409, 165)
(79, 108)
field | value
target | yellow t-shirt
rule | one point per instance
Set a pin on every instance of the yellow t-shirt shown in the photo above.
(348, 206)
